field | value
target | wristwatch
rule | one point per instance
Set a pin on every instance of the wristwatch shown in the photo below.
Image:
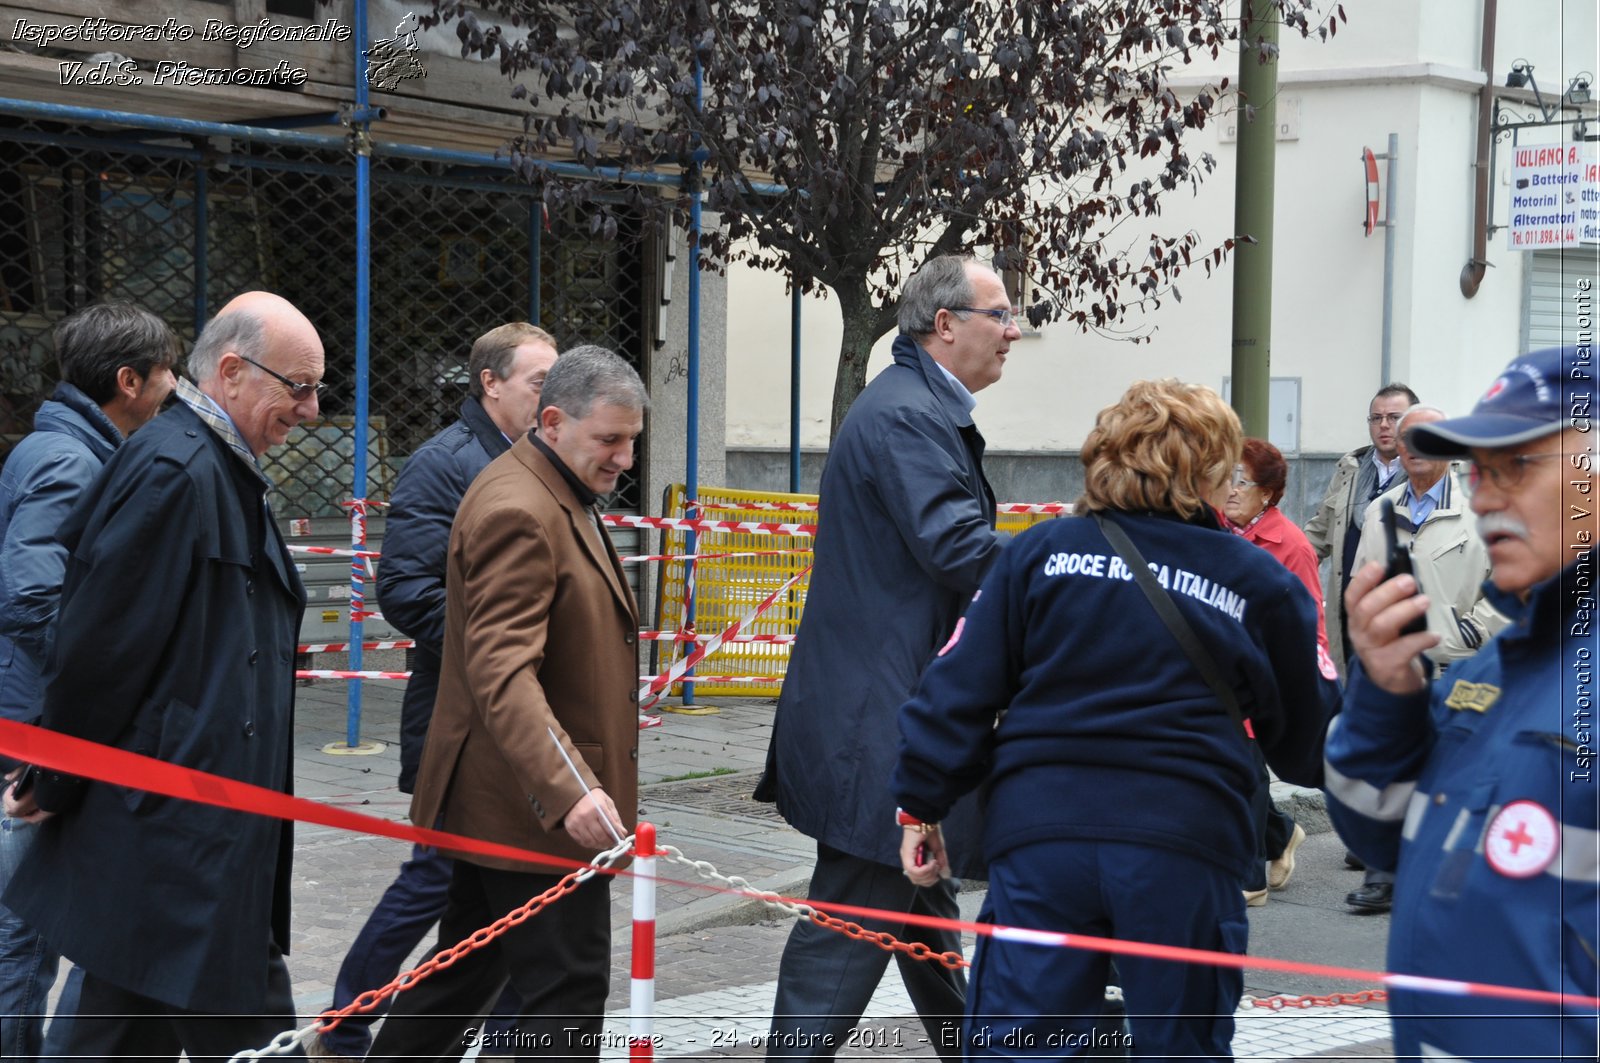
(906, 819)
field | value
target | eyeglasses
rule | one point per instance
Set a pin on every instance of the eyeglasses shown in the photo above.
(1005, 317)
(1384, 418)
(298, 392)
(1239, 480)
(1505, 475)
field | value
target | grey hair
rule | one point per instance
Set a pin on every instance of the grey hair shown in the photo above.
(1417, 408)
(97, 341)
(589, 374)
(939, 284)
(239, 331)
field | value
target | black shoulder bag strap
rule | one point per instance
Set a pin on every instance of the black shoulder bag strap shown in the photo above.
(1168, 611)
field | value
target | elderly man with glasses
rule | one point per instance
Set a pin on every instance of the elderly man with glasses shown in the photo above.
(1479, 787)
(907, 537)
(175, 640)
(1449, 558)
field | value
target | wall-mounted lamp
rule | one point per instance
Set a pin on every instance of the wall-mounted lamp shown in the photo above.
(1577, 92)
(1521, 76)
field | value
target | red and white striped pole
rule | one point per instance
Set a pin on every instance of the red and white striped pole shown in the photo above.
(642, 999)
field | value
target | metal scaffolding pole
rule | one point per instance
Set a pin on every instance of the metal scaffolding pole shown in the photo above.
(361, 143)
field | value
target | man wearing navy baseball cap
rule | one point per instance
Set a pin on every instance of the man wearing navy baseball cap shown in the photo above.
(1480, 788)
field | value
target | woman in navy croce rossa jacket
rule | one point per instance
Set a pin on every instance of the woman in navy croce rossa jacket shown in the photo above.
(1118, 785)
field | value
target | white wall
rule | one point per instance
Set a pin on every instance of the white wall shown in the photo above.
(1409, 68)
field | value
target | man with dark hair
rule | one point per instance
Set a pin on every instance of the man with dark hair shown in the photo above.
(535, 735)
(508, 366)
(1361, 476)
(907, 536)
(1334, 530)
(1479, 786)
(116, 370)
(176, 636)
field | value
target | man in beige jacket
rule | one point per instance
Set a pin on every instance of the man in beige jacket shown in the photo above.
(1451, 563)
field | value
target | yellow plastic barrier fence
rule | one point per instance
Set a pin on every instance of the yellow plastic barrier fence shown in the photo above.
(726, 588)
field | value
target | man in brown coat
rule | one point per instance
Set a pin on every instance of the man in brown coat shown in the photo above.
(540, 640)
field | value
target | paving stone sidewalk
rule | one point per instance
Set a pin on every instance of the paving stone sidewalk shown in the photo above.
(717, 956)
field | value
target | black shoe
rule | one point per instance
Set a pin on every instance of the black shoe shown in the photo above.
(1373, 897)
(1353, 862)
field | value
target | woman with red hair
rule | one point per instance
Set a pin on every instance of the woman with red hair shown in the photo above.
(1252, 512)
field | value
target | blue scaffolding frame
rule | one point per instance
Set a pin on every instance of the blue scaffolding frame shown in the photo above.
(287, 132)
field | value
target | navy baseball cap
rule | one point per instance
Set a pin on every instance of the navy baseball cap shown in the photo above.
(1536, 395)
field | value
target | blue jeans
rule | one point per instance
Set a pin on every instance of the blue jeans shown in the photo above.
(408, 909)
(27, 964)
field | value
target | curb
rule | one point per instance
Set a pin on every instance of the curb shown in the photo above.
(723, 910)
(1308, 807)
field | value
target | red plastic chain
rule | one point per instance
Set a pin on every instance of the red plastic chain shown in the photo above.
(888, 942)
(369, 1000)
(1278, 1003)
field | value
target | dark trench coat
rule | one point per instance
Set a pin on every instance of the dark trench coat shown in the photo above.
(176, 640)
(906, 534)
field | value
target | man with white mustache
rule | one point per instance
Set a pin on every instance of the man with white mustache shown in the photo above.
(1480, 787)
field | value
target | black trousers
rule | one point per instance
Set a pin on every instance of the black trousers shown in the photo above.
(558, 961)
(114, 1023)
(1273, 829)
(825, 980)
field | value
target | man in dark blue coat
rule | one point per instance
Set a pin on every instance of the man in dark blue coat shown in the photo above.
(507, 366)
(906, 534)
(176, 640)
(116, 370)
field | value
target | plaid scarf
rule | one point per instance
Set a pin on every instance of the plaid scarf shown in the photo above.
(208, 411)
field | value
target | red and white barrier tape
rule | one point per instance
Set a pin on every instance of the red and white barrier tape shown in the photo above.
(752, 527)
(697, 525)
(339, 673)
(812, 507)
(774, 507)
(1034, 507)
(334, 551)
(673, 674)
(75, 756)
(716, 557)
(689, 636)
(345, 673)
(344, 647)
(701, 677)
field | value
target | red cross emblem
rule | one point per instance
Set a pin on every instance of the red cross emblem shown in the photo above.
(1522, 840)
(955, 637)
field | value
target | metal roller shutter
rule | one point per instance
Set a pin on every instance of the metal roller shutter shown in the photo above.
(1551, 315)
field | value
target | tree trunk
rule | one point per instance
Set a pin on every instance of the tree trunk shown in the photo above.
(863, 324)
